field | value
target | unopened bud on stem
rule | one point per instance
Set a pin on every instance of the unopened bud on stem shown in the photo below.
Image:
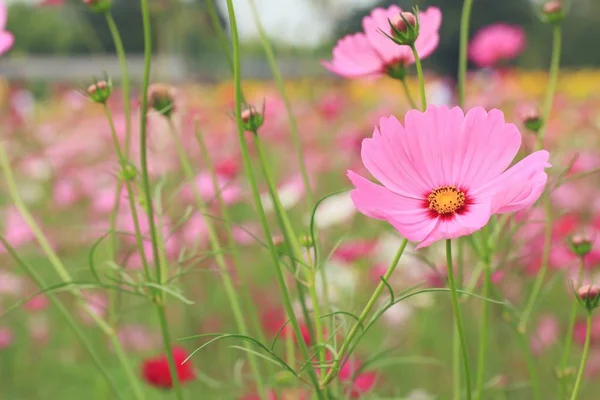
(580, 244)
(252, 118)
(98, 6)
(404, 28)
(532, 120)
(553, 12)
(99, 92)
(589, 296)
(161, 98)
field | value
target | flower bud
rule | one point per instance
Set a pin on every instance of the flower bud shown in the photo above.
(532, 120)
(306, 241)
(99, 92)
(161, 98)
(553, 12)
(565, 373)
(404, 21)
(589, 296)
(396, 71)
(580, 244)
(252, 119)
(129, 172)
(587, 292)
(405, 28)
(98, 6)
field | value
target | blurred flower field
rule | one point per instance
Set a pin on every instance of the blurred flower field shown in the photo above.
(61, 152)
(226, 241)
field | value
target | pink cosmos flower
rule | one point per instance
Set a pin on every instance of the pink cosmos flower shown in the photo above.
(444, 173)
(360, 383)
(495, 43)
(6, 38)
(373, 54)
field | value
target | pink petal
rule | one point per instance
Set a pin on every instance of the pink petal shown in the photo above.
(3, 15)
(407, 215)
(521, 185)
(354, 56)
(6, 41)
(487, 147)
(475, 218)
(432, 144)
(373, 25)
(385, 156)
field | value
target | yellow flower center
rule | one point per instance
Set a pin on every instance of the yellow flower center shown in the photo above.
(446, 200)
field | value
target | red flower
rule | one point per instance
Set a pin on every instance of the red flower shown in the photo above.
(156, 372)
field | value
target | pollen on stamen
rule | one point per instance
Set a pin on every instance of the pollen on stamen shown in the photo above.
(446, 200)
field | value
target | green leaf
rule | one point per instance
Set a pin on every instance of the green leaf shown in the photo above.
(389, 287)
(237, 336)
(167, 290)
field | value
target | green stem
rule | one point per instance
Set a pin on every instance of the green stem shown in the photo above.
(286, 101)
(291, 239)
(584, 357)
(458, 318)
(130, 195)
(552, 84)
(357, 325)
(230, 290)
(421, 77)
(409, 97)
(227, 222)
(456, 395)
(114, 31)
(530, 362)
(462, 53)
(287, 303)
(539, 280)
(61, 270)
(66, 315)
(160, 267)
(456, 375)
(569, 340)
(221, 35)
(483, 338)
(112, 251)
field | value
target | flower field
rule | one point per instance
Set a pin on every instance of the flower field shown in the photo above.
(386, 233)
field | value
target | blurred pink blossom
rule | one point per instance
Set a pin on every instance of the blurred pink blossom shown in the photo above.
(545, 334)
(495, 43)
(6, 38)
(371, 53)
(6, 337)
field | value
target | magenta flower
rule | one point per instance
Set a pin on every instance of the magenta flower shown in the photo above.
(6, 38)
(495, 43)
(372, 53)
(444, 173)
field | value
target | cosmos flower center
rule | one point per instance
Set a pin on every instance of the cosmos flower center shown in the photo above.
(446, 200)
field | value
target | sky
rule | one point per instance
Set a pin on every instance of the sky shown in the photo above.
(302, 23)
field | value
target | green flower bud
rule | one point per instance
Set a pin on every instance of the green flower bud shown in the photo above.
(553, 12)
(589, 296)
(252, 119)
(161, 98)
(99, 92)
(405, 29)
(581, 245)
(99, 6)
